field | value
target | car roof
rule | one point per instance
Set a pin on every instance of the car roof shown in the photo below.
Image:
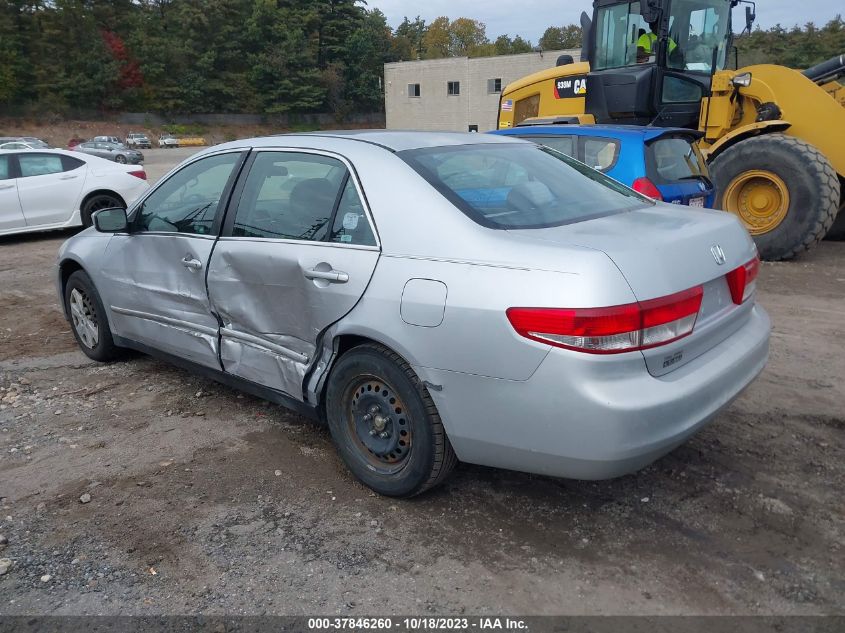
(393, 140)
(633, 132)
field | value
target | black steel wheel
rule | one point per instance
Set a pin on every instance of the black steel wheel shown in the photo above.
(385, 424)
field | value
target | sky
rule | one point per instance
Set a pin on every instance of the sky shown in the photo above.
(529, 18)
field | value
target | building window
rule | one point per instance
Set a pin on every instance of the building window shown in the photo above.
(413, 90)
(494, 86)
(454, 88)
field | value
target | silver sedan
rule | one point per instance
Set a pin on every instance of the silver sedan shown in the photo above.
(433, 298)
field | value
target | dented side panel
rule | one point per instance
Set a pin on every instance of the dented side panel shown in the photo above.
(153, 298)
(272, 310)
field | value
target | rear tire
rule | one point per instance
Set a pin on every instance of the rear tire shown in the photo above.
(385, 424)
(784, 190)
(97, 202)
(88, 318)
(120, 158)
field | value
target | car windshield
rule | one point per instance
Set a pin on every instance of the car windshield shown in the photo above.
(512, 186)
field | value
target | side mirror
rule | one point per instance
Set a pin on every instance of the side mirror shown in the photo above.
(750, 16)
(111, 220)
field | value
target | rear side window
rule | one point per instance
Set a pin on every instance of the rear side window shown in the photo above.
(520, 186)
(670, 159)
(299, 196)
(39, 164)
(5, 172)
(69, 163)
(600, 153)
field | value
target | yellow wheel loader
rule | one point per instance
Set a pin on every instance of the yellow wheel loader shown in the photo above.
(774, 138)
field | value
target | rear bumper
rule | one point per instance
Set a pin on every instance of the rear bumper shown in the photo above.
(594, 417)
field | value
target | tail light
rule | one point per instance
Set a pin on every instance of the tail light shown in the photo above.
(140, 173)
(612, 330)
(743, 280)
(647, 188)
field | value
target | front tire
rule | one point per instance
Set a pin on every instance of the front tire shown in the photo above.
(120, 158)
(385, 424)
(784, 190)
(88, 318)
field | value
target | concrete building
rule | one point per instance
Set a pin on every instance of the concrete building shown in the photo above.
(457, 93)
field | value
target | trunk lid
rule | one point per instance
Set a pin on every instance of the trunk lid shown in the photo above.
(662, 250)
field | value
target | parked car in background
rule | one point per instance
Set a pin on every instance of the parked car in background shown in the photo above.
(30, 141)
(137, 140)
(107, 139)
(168, 141)
(542, 317)
(74, 142)
(16, 145)
(50, 189)
(112, 151)
(662, 163)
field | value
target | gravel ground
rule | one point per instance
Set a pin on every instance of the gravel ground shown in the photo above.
(137, 488)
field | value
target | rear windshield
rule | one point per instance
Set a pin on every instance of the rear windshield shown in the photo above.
(521, 186)
(670, 159)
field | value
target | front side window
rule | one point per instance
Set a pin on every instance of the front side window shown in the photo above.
(512, 186)
(289, 195)
(620, 30)
(5, 172)
(39, 164)
(700, 29)
(187, 202)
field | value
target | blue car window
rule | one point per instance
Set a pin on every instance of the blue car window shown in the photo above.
(600, 153)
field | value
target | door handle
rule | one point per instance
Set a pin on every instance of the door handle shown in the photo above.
(190, 262)
(7, 186)
(334, 276)
(69, 177)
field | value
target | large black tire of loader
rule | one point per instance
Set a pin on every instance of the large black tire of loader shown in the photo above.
(837, 231)
(810, 180)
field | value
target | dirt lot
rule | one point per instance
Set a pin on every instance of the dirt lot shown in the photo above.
(204, 500)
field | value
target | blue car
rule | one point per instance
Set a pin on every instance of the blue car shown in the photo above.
(662, 163)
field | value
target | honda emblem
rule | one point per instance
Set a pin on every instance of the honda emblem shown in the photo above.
(718, 254)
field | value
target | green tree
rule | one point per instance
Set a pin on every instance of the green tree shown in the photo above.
(437, 41)
(412, 32)
(561, 38)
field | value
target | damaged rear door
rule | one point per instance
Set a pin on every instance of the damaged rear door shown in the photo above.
(296, 253)
(154, 277)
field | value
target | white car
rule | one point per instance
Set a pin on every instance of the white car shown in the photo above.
(48, 189)
(168, 141)
(16, 145)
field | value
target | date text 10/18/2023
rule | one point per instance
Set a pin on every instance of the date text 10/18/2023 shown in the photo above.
(428, 624)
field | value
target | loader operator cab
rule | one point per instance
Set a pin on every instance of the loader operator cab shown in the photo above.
(651, 61)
